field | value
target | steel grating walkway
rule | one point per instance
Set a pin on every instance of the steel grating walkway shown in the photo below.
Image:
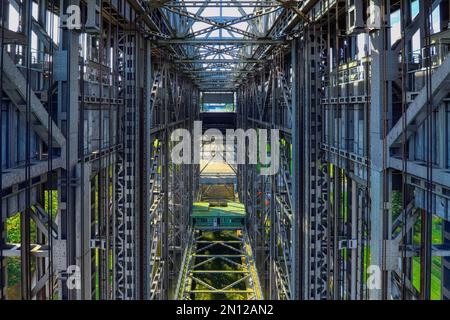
(219, 265)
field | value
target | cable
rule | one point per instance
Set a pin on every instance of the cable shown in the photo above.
(427, 216)
(50, 154)
(404, 65)
(108, 165)
(2, 25)
(81, 153)
(101, 174)
(347, 197)
(331, 142)
(337, 168)
(367, 198)
(25, 215)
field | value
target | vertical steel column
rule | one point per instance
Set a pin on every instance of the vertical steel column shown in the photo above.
(354, 219)
(165, 186)
(25, 215)
(297, 288)
(377, 180)
(127, 201)
(68, 113)
(427, 214)
(119, 248)
(273, 192)
(145, 185)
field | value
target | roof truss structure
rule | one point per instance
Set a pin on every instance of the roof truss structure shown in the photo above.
(232, 37)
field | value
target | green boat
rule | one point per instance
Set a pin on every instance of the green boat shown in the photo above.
(218, 215)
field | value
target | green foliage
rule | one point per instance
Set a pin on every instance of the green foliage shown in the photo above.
(435, 277)
(219, 280)
(436, 271)
(226, 107)
(54, 202)
(14, 236)
(396, 204)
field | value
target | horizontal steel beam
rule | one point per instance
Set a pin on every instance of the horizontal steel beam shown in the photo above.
(213, 78)
(219, 71)
(208, 89)
(419, 169)
(12, 37)
(228, 79)
(218, 61)
(221, 291)
(217, 82)
(217, 3)
(217, 88)
(223, 42)
(215, 25)
(13, 250)
(219, 271)
(16, 175)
